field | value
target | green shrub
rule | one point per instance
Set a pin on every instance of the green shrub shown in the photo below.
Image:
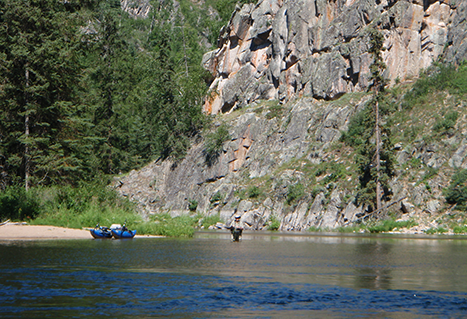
(192, 205)
(358, 128)
(349, 229)
(274, 223)
(165, 225)
(415, 162)
(439, 230)
(390, 224)
(460, 229)
(313, 229)
(17, 204)
(210, 220)
(456, 193)
(217, 197)
(254, 192)
(295, 192)
(214, 142)
(448, 122)
(94, 215)
(275, 110)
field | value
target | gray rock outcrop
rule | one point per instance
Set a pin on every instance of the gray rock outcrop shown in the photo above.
(457, 36)
(260, 145)
(285, 49)
(276, 148)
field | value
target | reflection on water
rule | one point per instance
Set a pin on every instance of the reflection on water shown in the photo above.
(322, 276)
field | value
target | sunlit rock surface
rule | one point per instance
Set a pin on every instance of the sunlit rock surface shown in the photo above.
(284, 49)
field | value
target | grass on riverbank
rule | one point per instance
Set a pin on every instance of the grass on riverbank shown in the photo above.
(163, 225)
(378, 226)
(84, 207)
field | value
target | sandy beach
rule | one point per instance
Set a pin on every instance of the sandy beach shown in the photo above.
(13, 231)
(17, 231)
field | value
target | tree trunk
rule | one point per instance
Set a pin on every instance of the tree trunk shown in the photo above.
(378, 160)
(27, 164)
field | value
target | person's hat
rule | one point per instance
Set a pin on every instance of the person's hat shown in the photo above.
(237, 217)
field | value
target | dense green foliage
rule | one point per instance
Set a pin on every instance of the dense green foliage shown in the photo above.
(439, 230)
(253, 191)
(17, 204)
(456, 193)
(295, 192)
(165, 225)
(39, 66)
(360, 136)
(84, 205)
(192, 205)
(87, 90)
(144, 102)
(459, 229)
(389, 225)
(214, 142)
(380, 226)
(210, 220)
(274, 223)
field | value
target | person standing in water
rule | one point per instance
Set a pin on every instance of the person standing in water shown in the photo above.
(236, 228)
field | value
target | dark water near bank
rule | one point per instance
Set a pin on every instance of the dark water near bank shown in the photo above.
(209, 276)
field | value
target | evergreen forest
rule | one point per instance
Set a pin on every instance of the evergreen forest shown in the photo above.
(87, 91)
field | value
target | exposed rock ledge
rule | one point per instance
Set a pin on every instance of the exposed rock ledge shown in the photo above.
(274, 152)
(280, 49)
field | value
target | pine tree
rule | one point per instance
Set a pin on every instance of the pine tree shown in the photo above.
(377, 68)
(370, 138)
(177, 88)
(374, 178)
(108, 82)
(85, 89)
(38, 70)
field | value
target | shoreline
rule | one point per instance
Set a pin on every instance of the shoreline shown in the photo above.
(21, 232)
(25, 232)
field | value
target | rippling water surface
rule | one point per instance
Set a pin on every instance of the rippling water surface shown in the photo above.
(263, 276)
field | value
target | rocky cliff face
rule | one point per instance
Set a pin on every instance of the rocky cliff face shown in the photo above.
(263, 146)
(273, 149)
(308, 54)
(281, 50)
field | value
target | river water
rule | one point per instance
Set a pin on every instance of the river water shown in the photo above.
(209, 276)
